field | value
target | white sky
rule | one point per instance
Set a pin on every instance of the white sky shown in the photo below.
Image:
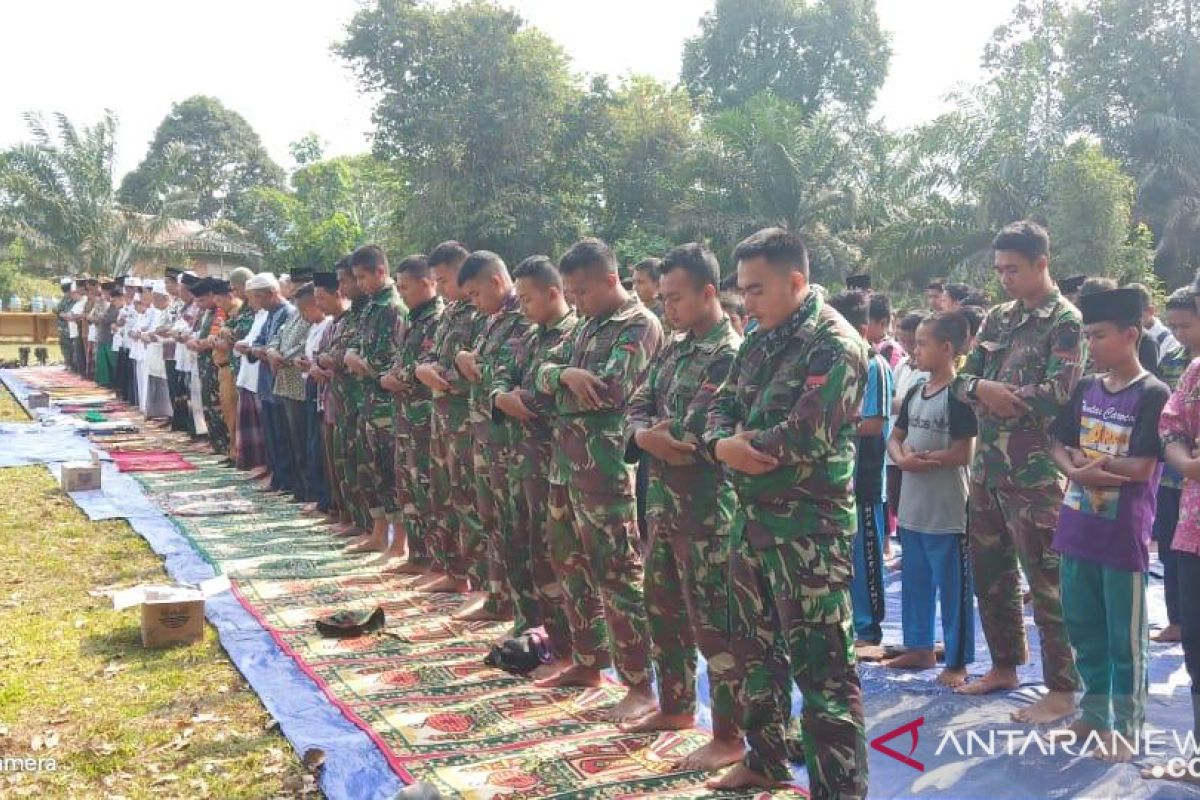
(270, 60)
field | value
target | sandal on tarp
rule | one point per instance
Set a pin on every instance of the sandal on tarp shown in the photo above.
(345, 624)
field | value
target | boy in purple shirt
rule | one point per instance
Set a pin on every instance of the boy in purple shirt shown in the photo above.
(1108, 447)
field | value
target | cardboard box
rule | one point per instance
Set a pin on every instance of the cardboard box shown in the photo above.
(37, 400)
(171, 614)
(80, 476)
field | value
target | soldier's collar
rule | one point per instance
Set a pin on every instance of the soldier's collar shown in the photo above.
(627, 310)
(421, 309)
(807, 311)
(385, 293)
(569, 318)
(712, 338)
(1045, 309)
(511, 303)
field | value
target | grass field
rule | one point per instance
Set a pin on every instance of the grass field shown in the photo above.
(77, 687)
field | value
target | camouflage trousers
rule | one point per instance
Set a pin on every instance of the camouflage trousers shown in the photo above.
(1010, 531)
(791, 621)
(510, 580)
(413, 467)
(453, 493)
(377, 470)
(530, 486)
(596, 556)
(687, 606)
(349, 452)
(485, 536)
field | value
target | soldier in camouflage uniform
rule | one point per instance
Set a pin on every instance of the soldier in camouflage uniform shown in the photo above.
(414, 413)
(784, 424)
(1025, 362)
(60, 311)
(485, 279)
(530, 415)
(452, 468)
(346, 389)
(369, 354)
(592, 376)
(690, 505)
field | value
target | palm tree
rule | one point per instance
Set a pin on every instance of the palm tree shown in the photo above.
(58, 197)
(766, 164)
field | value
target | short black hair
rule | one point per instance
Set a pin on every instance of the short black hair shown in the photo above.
(1025, 237)
(450, 252)
(343, 265)
(949, 326)
(481, 264)
(879, 307)
(936, 285)
(910, 321)
(650, 266)
(977, 297)
(779, 246)
(974, 316)
(852, 305)
(696, 260)
(307, 290)
(589, 253)
(415, 266)
(116, 291)
(541, 270)
(369, 256)
(1097, 284)
(1144, 291)
(958, 291)
(1182, 300)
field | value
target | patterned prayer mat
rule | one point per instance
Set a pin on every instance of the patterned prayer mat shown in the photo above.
(151, 461)
(420, 689)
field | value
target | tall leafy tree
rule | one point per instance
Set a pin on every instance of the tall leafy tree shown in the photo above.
(211, 152)
(474, 104)
(813, 53)
(58, 199)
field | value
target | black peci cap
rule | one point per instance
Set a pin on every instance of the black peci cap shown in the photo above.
(1116, 305)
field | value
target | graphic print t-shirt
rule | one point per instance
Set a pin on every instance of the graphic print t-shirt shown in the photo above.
(1111, 525)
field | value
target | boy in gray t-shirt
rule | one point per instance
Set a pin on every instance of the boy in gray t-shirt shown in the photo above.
(931, 443)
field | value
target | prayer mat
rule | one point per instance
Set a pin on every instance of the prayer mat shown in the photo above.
(420, 689)
(151, 461)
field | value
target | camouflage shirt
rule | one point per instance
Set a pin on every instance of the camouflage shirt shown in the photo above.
(235, 329)
(517, 369)
(1041, 352)
(414, 339)
(617, 349)
(347, 388)
(460, 327)
(501, 335)
(374, 340)
(680, 388)
(799, 386)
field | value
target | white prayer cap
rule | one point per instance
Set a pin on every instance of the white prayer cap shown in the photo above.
(134, 282)
(263, 280)
(65, 282)
(159, 287)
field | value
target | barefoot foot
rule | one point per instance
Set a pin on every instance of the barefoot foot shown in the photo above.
(741, 777)
(994, 680)
(573, 675)
(659, 721)
(952, 678)
(912, 659)
(637, 702)
(717, 754)
(1171, 633)
(1051, 708)
(442, 584)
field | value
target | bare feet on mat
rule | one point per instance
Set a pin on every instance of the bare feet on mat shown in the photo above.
(365, 544)
(659, 721)
(1051, 708)
(543, 671)
(952, 678)
(717, 754)
(1171, 633)
(405, 567)
(912, 659)
(574, 675)
(479, 613)
(637, 702)
(994, 680)
(1072, 735)
(442, 584)
(741, 777)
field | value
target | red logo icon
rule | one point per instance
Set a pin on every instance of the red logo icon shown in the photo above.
(878, 743)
